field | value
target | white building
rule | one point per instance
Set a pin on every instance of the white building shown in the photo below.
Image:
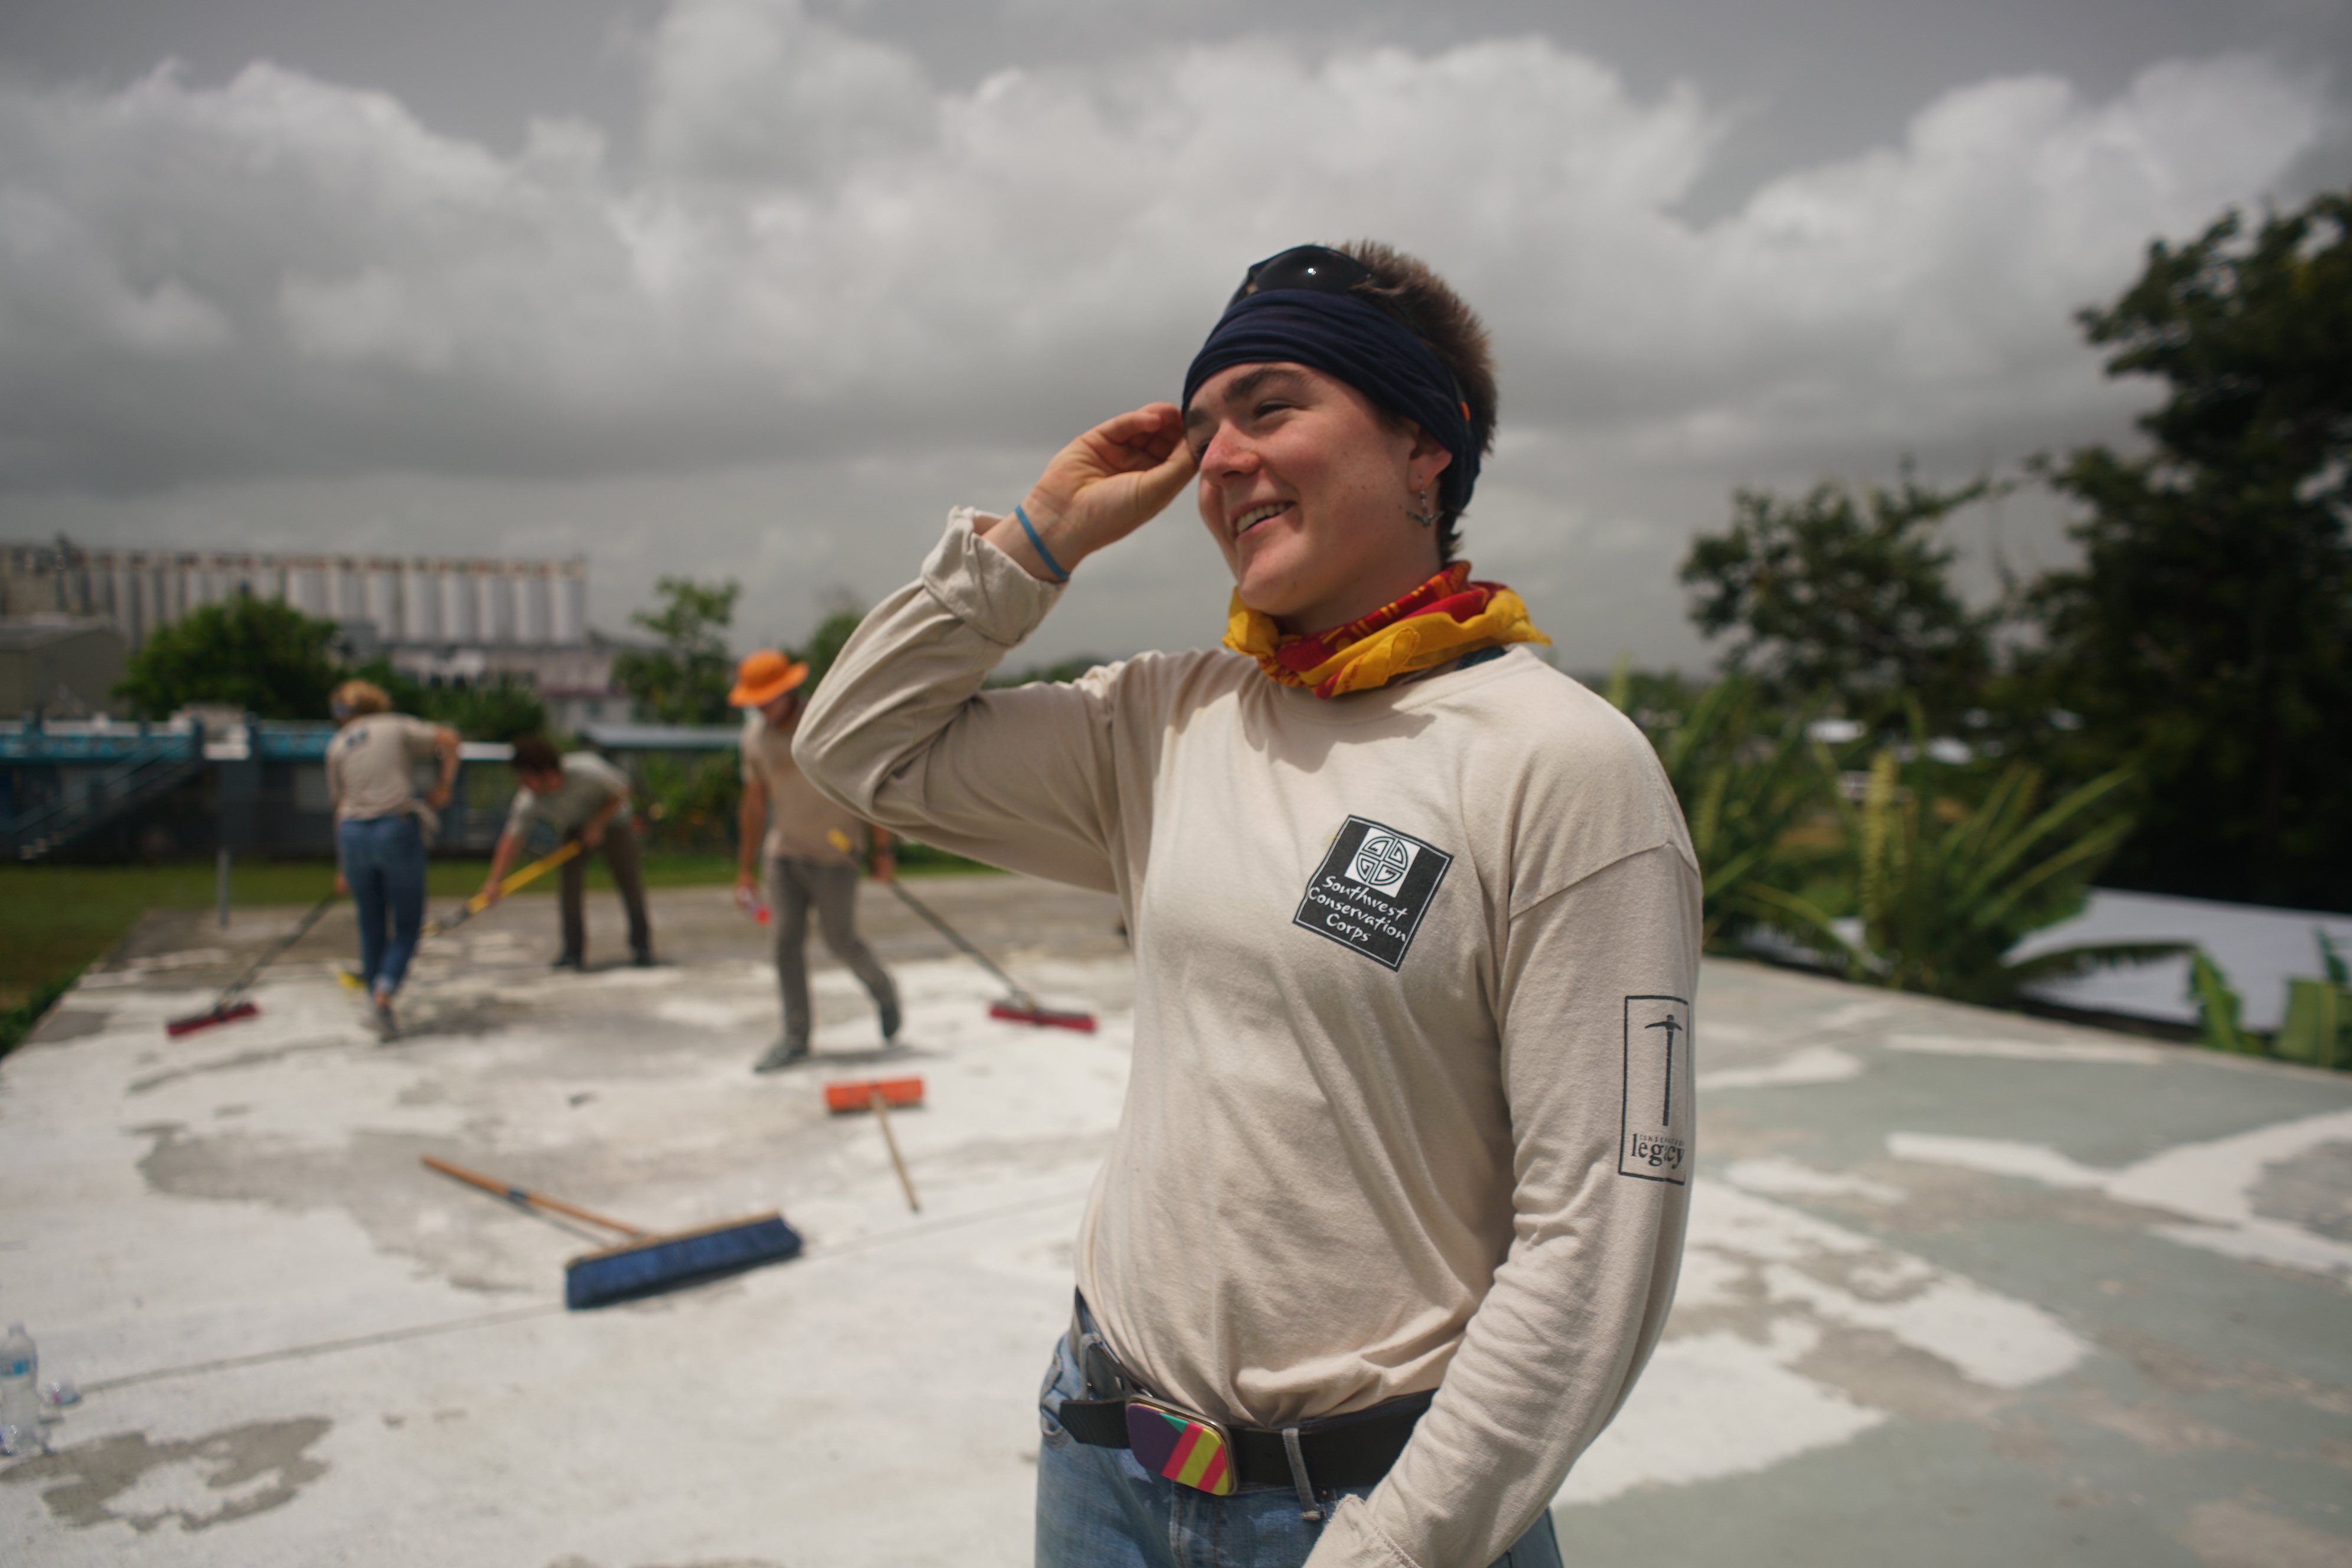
(437, 617)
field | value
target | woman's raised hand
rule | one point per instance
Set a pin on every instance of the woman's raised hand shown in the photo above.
(1100, 488)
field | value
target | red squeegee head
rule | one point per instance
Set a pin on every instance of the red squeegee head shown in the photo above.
(1017, 1012)
(175, 1027)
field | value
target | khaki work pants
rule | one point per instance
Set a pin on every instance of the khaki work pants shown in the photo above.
(794, 885)
(620, 852)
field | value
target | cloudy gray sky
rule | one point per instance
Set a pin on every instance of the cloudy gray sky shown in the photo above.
(761, 288)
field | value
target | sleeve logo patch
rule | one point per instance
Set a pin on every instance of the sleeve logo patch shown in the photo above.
(1372, 890)
(1655, 1143)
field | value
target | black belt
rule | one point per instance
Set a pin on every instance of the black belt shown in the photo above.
(1352, 1451)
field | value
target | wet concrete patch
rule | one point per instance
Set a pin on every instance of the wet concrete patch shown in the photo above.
(458, 1018)
(2158, 1427)
(2314, 1190)
(2180, 1371)
(69, 1024)
(197, 1484)
(2239, 1535)
(1946, 1201)
(472, 1240)
(1879, 1372)
(241, 1062)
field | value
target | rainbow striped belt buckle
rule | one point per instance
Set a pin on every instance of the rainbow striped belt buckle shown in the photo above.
(1190, 1449)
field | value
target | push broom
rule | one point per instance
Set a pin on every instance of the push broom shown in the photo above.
(229, 1006)
(1020, 1007)
(646, 1263)
(481, 901)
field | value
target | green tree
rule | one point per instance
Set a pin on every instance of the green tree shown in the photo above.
(263, 654)
(1746, 779)
(689, 800)
(685, 679)
(1846, 596)
(497, 709)
(2208, 632)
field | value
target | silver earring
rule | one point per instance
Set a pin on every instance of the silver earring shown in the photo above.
(1425, 517)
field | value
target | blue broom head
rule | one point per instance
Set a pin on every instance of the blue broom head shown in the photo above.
(665, 1262)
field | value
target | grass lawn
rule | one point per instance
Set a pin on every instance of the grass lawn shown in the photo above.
(54, 921)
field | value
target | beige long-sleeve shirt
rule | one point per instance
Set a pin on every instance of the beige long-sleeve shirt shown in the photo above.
(590, 784)
(803, 825)
(1411, 1098)
(371, 767)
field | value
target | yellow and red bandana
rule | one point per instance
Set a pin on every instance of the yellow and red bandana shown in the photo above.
(1445, 618)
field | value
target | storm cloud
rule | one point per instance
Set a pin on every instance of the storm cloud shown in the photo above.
(810, 293)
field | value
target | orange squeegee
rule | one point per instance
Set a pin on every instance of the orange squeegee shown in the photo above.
(877, 1095)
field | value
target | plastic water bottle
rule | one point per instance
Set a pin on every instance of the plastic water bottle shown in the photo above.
(752, 904)
(20, 1400)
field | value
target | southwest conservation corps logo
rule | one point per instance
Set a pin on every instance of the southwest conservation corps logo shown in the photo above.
(1382, 860)
(1372, 890)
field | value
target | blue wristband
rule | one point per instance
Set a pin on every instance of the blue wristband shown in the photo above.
(1039, 545)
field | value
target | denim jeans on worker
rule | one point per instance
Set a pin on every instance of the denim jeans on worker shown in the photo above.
(1097, 1508)
(383, 861)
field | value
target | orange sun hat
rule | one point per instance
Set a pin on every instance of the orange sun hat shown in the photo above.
(764, 677)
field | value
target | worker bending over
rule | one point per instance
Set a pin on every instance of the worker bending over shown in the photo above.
(580, 795)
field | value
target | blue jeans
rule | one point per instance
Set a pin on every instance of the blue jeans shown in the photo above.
(383, 861)
(1097, 1508)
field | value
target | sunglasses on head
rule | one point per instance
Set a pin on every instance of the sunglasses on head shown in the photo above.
(1324, 271)
(1315, 267)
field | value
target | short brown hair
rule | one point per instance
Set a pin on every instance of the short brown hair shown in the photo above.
(532, 754)
(362, 696)
(1413, 292)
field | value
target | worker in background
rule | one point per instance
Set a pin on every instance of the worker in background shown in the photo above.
(811, 848)
(381, 827)
(580, 795)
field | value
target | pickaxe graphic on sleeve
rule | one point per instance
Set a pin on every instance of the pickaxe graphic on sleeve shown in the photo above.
(1670, 1024)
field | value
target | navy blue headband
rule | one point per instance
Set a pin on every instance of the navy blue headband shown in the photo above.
(1349, 337)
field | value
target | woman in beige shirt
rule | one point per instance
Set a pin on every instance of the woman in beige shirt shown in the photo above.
(381, 826)
(1393, 1214)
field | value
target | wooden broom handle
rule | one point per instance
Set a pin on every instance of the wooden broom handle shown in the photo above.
(891, 1139)
(517, 1195)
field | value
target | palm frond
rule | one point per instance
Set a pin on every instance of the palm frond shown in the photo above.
(2075, 803)
(2074, 963)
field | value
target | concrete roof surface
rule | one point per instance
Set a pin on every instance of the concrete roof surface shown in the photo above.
(1962, 1287)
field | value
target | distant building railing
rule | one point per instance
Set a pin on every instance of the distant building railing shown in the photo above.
(198, 785)
(96, 773)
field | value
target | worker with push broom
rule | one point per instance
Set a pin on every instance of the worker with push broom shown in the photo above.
(805, 846)
(1393, 1214)
(580, 795)
(381, 829)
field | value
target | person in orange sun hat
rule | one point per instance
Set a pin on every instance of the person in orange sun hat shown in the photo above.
(804, 850)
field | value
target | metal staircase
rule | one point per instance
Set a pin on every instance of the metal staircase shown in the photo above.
(130, 774)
